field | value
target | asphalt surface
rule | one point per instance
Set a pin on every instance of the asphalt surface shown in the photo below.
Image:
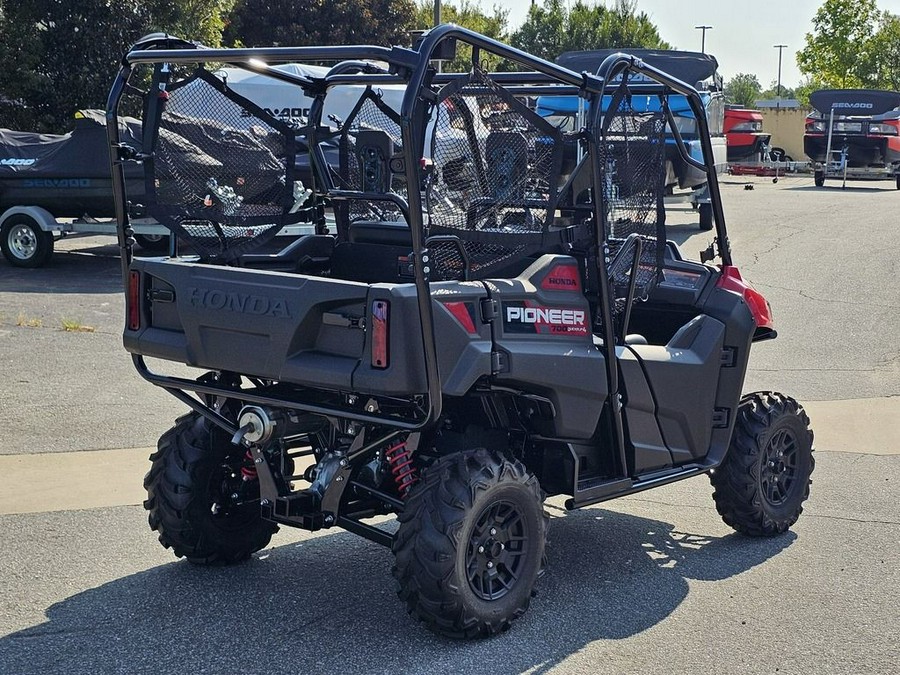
(654, 582)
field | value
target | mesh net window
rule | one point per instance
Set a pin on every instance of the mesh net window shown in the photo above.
(370, 138)
(221, 174)
(631, 161)
(496, 166)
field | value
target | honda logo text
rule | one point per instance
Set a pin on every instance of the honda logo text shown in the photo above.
(256, 305)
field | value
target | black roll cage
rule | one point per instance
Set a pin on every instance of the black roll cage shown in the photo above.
(413, 67)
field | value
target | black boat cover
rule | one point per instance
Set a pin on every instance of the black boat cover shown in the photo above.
(863, 102)
(82, 153)
(689, 67)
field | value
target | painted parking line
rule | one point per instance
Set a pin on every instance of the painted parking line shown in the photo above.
(64, 481)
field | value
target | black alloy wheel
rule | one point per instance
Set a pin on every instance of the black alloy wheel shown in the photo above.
(496, 552)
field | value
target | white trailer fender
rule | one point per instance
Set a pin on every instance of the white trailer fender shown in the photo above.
(41, 216)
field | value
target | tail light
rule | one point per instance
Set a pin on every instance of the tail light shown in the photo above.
(380, 336)
(747, 127)
(879, 129)
(816, 126)
(731, 280)
(134, 301)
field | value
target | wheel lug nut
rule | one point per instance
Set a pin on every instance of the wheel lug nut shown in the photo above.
(490, 564)
(481, 549)
(493, 531)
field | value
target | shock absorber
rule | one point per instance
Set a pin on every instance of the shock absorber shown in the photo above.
(248, 472)
(399, 458)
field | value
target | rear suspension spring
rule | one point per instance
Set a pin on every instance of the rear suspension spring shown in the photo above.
(399, 458)
(249, 473)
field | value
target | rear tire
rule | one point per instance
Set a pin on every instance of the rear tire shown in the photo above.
(24, 243)
(706, 217)
(819, 178)
(762, 484)
(194, 473)
(470, 544)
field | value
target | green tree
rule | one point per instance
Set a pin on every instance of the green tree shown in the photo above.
(840, 50)
(773, 93)
(552, 28)
(57, 56)
(742, 89)
(807, 87)
(282, 23)
(886, 53)
(467, 14)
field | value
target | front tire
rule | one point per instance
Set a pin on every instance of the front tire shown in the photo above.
(154, 243)
(819, 178)
(470, 544)
(762, 484)
(24, 243)
(198, 499)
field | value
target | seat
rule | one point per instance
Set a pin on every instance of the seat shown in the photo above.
(390, 232)
(308, 254)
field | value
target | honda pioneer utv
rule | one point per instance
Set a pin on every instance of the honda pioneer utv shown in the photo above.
(473, 337)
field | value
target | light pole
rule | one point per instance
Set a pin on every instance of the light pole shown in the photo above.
(780, 49)
(703, 39)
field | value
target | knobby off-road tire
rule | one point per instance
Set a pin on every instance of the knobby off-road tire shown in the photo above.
(762, 484)
(194, 472)
(470, 544)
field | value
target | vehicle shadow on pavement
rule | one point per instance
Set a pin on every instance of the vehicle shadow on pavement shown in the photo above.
(92, 270)
(327, 604)
(837, 188)
(682, 233)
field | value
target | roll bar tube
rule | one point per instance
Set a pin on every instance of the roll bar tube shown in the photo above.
(620, 63)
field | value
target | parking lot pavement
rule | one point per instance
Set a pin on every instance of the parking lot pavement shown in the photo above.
(652, 582)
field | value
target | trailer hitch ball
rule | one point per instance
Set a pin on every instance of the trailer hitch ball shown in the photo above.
(256, 425)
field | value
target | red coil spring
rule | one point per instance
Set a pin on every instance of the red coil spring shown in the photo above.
(249, 472)
(400, 460)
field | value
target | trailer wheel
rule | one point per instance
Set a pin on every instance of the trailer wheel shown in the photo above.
(706, 217)
(819, 179)
(24, 243)
(157, 243)
(470, 544)
(762, 484)
(198, 499)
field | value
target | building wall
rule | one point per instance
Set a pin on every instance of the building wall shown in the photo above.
(786, 126)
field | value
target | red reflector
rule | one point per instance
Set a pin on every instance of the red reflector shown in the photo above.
(134, 301)
(380, 341)
(731, 280)
(460, 312)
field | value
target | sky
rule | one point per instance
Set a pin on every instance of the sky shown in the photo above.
(743, 32)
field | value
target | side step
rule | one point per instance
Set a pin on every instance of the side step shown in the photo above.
(596, 490)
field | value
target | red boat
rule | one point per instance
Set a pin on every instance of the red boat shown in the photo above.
(743, 131)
